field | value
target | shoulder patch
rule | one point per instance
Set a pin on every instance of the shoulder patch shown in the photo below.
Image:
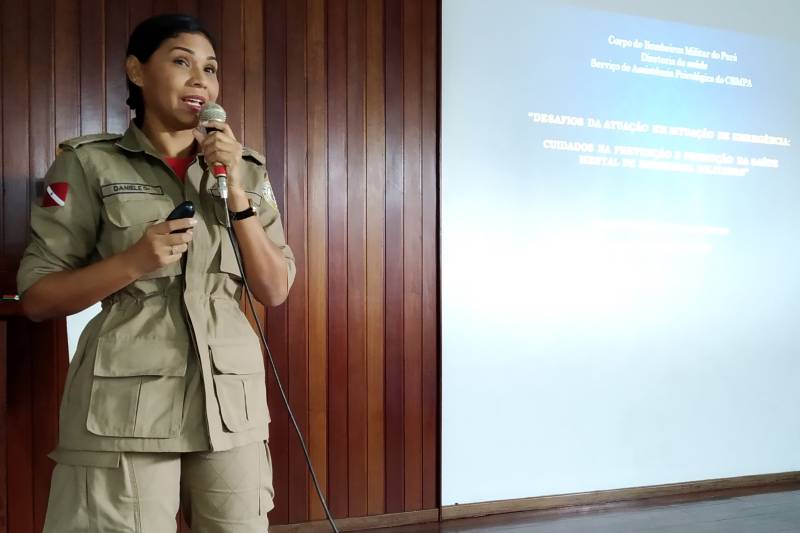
(268, 195)
(254, 156)
(87, 139)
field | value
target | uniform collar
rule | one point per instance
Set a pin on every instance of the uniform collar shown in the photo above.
(134, 140)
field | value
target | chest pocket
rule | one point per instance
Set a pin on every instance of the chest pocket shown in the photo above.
(129, 216)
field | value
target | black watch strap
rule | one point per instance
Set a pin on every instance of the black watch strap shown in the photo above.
(241, 215)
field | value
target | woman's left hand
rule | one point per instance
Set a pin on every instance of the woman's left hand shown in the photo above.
(221, 147)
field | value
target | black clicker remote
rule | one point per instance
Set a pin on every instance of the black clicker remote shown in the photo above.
(184, 210)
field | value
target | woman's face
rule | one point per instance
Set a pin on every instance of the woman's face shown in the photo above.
(177, 80)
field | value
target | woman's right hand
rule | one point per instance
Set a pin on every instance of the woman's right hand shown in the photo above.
(159, 247)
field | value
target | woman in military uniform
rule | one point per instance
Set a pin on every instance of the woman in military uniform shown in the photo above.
(165, 403)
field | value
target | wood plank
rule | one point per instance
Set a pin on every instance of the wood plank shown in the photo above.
(117, 111)
(164, 6)
(253, 81)
(395, 442)
(43, 346)
(337, 258)
(210, 13)
(595, 499)
(412, 256)
(362, 523)
(42, 146)
(317, 250)
(66, 64)
(275, 105)
(3, 426)
(357, 398)
(47, 351)
(376, 221)
(139, 11)
(430, 256)
(188, 7)
(231, 63)
(254, 94)
(15, 105)
(296, 215)
(5, 262)
(20, 425)
(92, 90)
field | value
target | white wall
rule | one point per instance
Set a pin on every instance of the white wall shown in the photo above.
(608, 327)
(76, 324)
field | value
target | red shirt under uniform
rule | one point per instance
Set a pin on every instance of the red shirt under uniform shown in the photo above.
(180, 165)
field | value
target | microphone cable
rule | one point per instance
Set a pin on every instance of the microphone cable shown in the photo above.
(235, 245)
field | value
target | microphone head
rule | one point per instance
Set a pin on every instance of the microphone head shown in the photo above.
(212, 111)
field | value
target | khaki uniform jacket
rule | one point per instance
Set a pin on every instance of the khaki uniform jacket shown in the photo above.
(171, 363)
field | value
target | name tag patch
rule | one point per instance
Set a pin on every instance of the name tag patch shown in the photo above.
(130, 188)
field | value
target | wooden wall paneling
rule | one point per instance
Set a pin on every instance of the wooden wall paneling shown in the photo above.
(254, 89)
(296, 215)
(42, 141)
(45, 342)
(232, 65)
(139, 11)
(210, 14)
(16, 127)
(412, 255)
(3, 423)
(275, 127)
(430, 255)
(254, 72)
(394, 310)
(189, 7)
(337, 258)
(20, 428)
(317, 261)
(92, 90)
(66, 61)
(357, 397)
(342, 97)
(117, 111)
(5, 258)
(375, 226)
(48, 353)
(165, 6)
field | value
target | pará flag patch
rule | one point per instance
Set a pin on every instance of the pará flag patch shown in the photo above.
(55, 194)
(269, 196)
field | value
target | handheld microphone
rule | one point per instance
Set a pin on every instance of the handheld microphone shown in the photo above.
(213, 111)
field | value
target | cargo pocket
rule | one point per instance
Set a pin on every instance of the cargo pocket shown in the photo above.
(266, 493)
(138, 388)
(130, 215)
(239, 380)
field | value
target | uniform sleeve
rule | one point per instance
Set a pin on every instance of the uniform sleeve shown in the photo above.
(270, 219)
(64, 223)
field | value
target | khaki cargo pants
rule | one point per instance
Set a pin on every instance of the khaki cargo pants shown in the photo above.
(219, 492)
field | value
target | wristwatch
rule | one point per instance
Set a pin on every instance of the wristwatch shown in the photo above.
(241, 215)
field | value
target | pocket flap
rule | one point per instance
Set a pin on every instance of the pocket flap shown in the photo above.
(227, 257)
(140, 357)
(131, 212)
(236, 357)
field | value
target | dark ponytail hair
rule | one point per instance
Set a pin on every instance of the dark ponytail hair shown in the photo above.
(147, 37)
